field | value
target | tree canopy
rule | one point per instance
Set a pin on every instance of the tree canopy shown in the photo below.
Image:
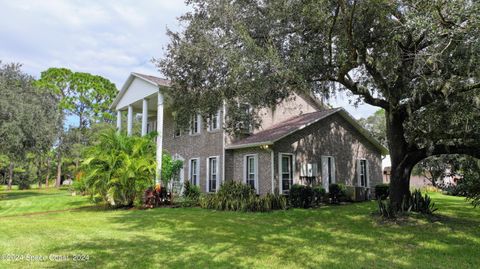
(418, 60)
(81, 94)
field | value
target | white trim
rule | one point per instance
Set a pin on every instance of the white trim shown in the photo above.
(256, 170)
(199, 125)
(325, 177)
(119, 120)
(217, 179)
(217, 119)
(280, 183)
(359, 173)
(197, 171)
(223, 141)
(272, 156)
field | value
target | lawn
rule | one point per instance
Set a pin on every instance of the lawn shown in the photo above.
(42, 223)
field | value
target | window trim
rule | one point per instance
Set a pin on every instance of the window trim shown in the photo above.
(199, 124)
(217, 120)
(333, 172)
(217, 179)
(359, 171)
(292, 156)
(246, 173)
(197, 170)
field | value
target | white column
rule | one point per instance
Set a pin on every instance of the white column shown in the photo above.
(119, 120)
(159, 136)
(144, 116)
(130, 120)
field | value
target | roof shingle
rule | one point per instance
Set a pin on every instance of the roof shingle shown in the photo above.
(282, 129)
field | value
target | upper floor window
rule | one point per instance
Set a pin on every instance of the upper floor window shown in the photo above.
(195, 124)
(177, 131)
(214, 121)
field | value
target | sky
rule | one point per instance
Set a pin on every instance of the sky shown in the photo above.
(111, 38)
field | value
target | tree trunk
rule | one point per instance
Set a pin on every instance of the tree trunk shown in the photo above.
(59, 171)
(10, 176)
(39, 173)
(47, 178)
(402, 163)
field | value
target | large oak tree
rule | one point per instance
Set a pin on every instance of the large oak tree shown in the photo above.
(418, 60)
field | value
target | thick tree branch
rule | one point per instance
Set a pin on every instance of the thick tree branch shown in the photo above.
(357, 89)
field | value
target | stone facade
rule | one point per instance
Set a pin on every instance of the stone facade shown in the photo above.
(187, 146)
(332, 136)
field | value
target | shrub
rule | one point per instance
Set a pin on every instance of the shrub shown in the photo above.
(301, 196)
(419, 203)
(415, 203)
(382, 191)
(79, 186)
(320, 194)
(119, 168)
(337, 192)
(191, 191)
(235, 196)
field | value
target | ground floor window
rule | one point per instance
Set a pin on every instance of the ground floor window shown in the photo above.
(328, 171)
(194, 171)
(286, 172)
(251, 170)
(362, 167)
(212, 175)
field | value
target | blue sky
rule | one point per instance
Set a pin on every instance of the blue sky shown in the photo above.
(110, 38)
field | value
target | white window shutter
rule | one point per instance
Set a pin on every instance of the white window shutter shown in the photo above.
(314, 169)
(334, 179)
(367, 174)
(358, 167)
(256, 174)
(207, 178)
(325, 172)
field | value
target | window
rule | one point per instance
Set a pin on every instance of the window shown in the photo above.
(151, 126)
(214, 121)
(328, 171)
(177, 131)
(194, 171)
(247, 118)
(286, 172)
(195, 124)
(363, 173)
(251, 169)
(212, 172)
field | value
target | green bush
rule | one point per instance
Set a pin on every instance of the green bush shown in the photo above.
(235, 196)
(191, 191)
(301, 196)
(79, 186)
(119, 168)
(415, 203)
(419, 203)
(382, 191)
(320, 194)
(337, 192)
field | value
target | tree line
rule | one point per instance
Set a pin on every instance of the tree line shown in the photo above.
(37, 142)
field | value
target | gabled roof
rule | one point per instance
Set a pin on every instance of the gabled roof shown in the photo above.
(290, 126)
(155, 81)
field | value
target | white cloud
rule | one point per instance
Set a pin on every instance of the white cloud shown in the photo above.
(110, 38)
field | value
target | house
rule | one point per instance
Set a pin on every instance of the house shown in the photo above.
(300, 141)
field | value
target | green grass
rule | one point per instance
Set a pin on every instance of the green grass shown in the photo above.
(330, 237)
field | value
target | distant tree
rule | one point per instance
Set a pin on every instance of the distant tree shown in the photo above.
(417, 60)
(28, 117)
(84, 95)
(436, 168)
(376, 124)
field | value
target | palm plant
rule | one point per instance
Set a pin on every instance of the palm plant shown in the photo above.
(118, 168)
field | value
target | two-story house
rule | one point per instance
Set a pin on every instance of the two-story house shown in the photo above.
(299, 141)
